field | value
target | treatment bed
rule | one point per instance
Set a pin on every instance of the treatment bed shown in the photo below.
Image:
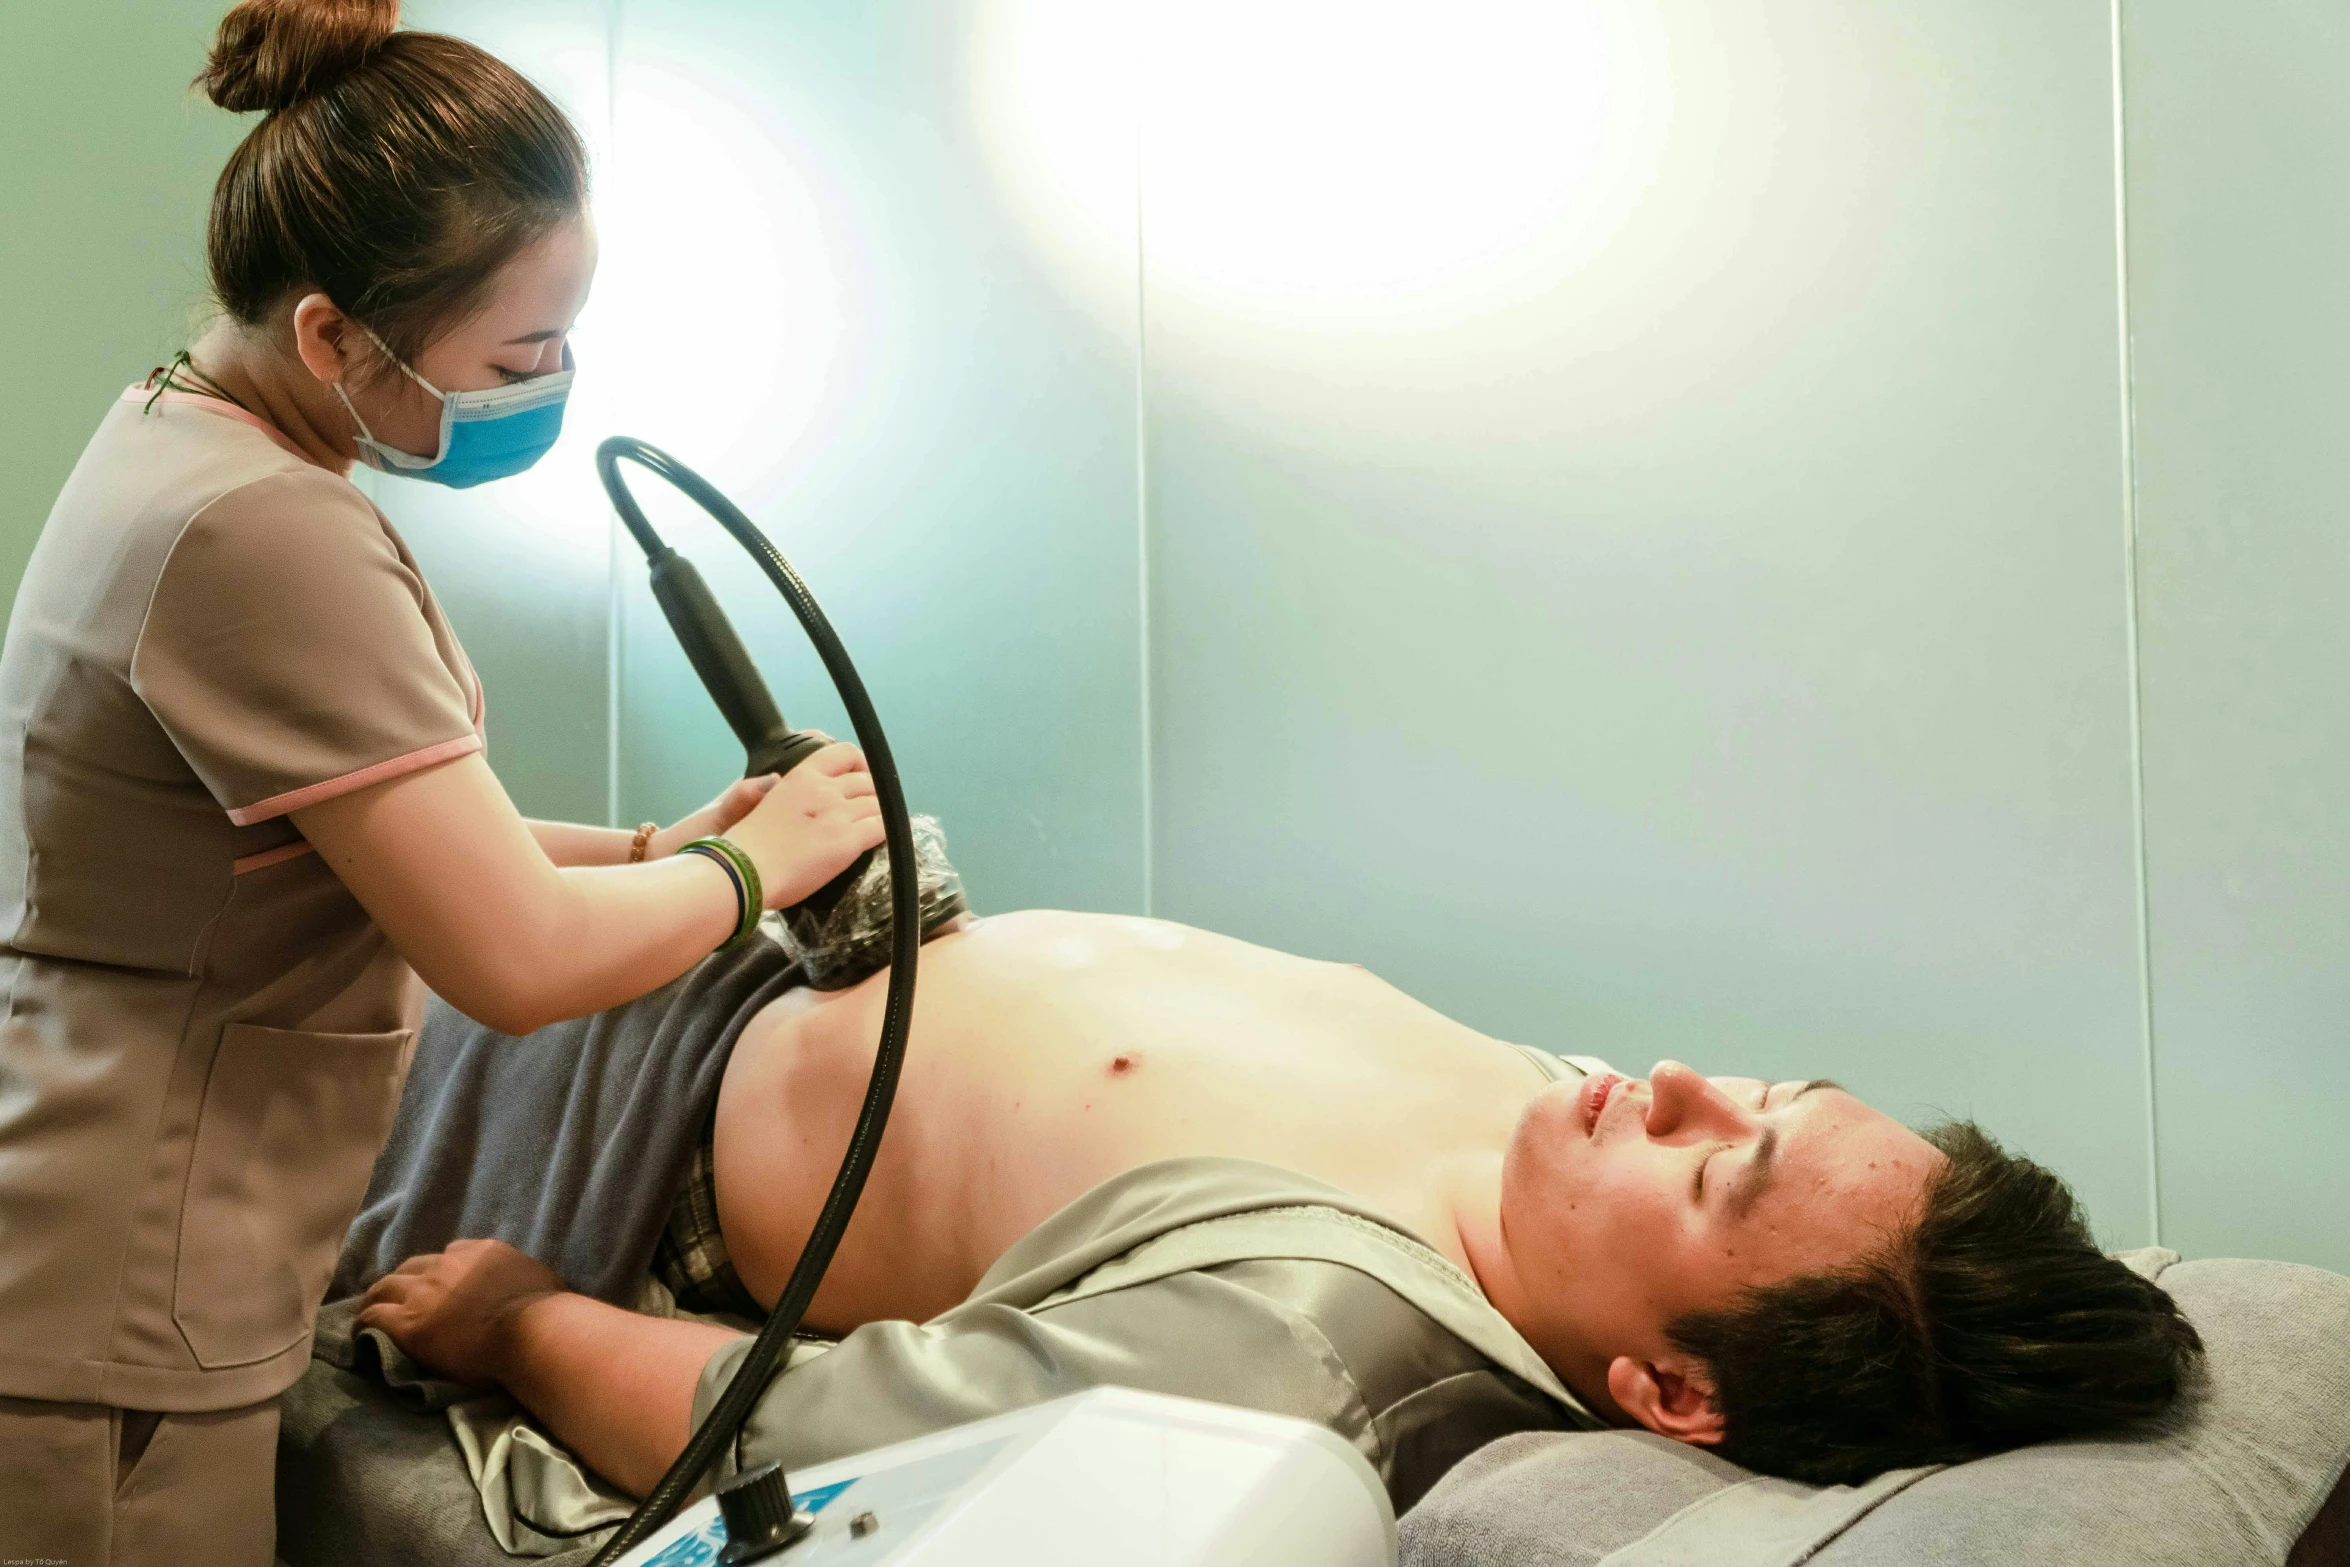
(2251, 1472)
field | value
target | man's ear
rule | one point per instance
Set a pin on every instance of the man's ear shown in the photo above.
(320, 330)
(1672, 1398)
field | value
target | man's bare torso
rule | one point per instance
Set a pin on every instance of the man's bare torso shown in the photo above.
(1052, 1051)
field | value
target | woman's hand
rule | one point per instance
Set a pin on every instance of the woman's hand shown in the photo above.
(715, 819)
(455, 1310)
(806, 829)
(712, 820)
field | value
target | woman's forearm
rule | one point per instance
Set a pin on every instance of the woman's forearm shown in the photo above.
(618, 932)
(463, 889)
(454, 876)
(574, 843)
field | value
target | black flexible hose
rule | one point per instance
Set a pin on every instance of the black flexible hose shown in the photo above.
(758, 1366)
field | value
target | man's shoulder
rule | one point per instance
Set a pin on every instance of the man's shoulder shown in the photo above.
(1333, 1310)
(1203, 1215)
(1428, 1396)
(1137, 1207)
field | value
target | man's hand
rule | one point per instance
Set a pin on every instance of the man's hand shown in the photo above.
(455, 1310)
(614, 1387)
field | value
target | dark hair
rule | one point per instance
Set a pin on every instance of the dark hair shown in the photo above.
(1993, 1322)
(395, 173)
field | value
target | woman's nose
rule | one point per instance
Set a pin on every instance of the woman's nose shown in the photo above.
(1681, 1098)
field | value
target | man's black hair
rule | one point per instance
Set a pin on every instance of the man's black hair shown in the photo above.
(1993, 1322)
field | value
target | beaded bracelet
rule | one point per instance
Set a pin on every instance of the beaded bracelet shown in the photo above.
(750, 898)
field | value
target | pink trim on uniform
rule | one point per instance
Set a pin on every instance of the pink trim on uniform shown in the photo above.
(268, 857)
(226, 409)
(295, 799)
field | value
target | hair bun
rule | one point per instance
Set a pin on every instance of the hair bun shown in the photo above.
(272, 54)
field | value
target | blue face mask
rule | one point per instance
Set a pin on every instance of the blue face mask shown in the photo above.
(484, 435)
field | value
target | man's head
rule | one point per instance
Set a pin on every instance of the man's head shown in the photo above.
(1783, 1273)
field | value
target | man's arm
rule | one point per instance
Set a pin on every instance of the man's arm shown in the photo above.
(615, 1387)
(621, 1390)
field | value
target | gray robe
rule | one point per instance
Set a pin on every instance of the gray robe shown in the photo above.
(1219, 1279)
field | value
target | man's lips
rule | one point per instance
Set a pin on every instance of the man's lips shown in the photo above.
(1593, 1098)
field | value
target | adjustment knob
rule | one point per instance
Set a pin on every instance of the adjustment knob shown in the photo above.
(760, 1517)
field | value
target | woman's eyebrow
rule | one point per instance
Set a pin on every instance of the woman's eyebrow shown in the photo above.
(548, 336)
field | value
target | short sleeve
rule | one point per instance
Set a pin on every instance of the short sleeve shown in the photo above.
(288, 653)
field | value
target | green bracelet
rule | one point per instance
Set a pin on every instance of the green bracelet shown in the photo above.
(738, 867)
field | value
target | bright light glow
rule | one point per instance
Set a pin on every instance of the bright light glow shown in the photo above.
(1316, 157)
(1059, 101)
(719, 319)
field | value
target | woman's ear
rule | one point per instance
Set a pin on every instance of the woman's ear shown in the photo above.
(321, 333)
(1672, 1398)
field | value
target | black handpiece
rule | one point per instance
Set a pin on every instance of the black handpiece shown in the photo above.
(724, 664)
(768, 1351)
(770, 745)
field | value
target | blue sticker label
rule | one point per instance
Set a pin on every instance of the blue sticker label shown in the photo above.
(701, 1547)
(697, 1549)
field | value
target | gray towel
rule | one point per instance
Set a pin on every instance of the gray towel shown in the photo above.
(570, 1143)
(513, 1138)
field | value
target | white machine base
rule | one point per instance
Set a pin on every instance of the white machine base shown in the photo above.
(1108, 1475)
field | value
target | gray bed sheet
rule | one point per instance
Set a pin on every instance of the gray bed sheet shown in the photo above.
(2252, 1473)
(364, 1481)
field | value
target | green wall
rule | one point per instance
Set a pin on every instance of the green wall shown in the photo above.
(813, 295)
(1712, 640)
(2239, 250)
(106, 170)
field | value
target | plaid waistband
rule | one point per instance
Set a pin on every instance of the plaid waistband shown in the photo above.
(691, 1257)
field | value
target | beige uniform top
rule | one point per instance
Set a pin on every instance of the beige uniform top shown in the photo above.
(202, 1034)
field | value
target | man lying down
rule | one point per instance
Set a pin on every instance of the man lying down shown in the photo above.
(1124, 1151)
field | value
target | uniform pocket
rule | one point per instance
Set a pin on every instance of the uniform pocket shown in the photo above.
(290, 1127)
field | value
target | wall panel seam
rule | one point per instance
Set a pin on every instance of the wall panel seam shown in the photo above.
(2129, 476)
(614, 608)
(1146, 720)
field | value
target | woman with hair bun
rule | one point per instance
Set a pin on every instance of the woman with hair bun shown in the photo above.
(243, 799)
